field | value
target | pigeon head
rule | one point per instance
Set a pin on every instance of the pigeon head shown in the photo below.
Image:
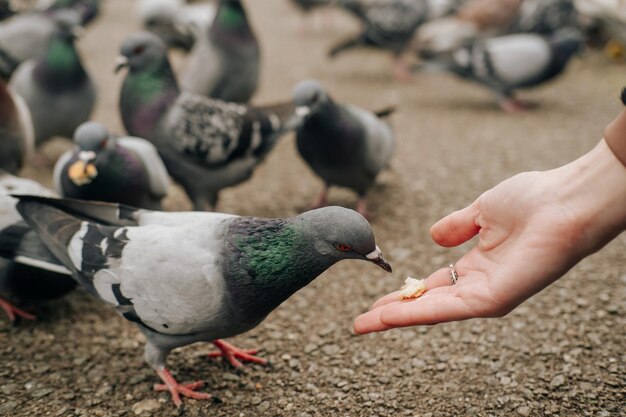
(90, 138)
(308, 97)
(67, 24)
(142, 51)
(338, 233)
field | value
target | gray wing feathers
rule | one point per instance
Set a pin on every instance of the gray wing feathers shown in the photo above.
(379, 140)
(157, 173)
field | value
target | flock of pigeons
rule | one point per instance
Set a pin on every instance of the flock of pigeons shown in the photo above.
(197, 276)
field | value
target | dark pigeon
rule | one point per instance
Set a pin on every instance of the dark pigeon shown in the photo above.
(343, 144)
(103, 167)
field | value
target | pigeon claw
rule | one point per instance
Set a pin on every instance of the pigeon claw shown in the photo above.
(176, 389)
(234, 354)
(13, 312)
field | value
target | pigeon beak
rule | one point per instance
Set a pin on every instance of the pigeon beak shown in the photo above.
(303, 111)
(376, 257)
(120, 62)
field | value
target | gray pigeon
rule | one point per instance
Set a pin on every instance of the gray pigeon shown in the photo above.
(225, 62)
(177, 23)
(102, 167)
(386, 24)
(17, 139)
(56, 87)
(218, 275)
(29, 273)
(343, 144)
(506, 63)
(206, 144)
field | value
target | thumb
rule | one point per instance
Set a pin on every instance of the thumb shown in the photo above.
(457, 227)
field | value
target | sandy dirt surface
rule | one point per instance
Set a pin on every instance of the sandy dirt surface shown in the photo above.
(559, 354)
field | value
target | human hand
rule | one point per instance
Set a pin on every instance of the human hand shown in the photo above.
(532, 228)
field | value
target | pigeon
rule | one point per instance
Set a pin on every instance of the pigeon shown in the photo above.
(387, 24)
(186, 277)
(545, 17)
(29, 273)
(102, 167)
(88, 10)
(506, 63)
(343, 144)
(17, 139)
(24, 36)
(177, 23)
(225, 62)
(474, 19)
(206, 144)
(56, 86)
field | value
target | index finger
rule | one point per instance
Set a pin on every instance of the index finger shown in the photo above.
(441, 307)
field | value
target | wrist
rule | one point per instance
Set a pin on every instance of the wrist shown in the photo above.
(593, 188)
(615, 137)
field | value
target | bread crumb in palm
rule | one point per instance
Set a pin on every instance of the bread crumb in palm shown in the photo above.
(413, 288)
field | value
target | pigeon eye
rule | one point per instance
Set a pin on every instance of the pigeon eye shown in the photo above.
(103, 143)
(139, 50)
(343, 248)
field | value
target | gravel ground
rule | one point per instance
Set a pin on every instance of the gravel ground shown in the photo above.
(560, 354)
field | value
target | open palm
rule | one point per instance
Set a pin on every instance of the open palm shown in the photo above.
(532, 228)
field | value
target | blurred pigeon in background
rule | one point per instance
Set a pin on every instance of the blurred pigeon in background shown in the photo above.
(17, 138)
(388, 24)
(474, 19)
(56, 86)
(506, 63)
(177, 23)
(206, 144)
(102, 167)
(88, 10)
(25, 36)
(343, 144)
(29, 273)
(225, 62)
(219, 275)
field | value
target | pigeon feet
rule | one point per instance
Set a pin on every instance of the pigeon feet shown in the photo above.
(233, 354)
(517, 106)
(176, 389)
(13, 312)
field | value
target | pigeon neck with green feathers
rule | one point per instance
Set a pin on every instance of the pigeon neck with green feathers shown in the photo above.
(147, 95)
(231, 23)
(276, 259)
(60, 68)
